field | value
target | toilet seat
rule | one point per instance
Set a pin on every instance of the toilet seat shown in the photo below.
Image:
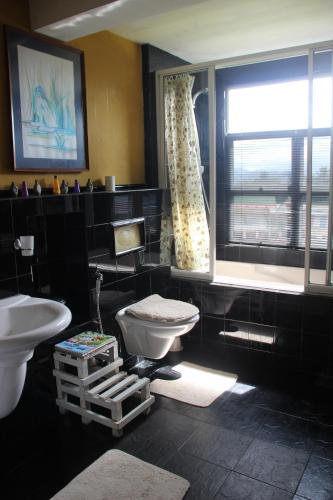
(162, 311)
(160, 324)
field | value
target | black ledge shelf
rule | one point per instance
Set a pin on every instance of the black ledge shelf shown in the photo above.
(47, 192)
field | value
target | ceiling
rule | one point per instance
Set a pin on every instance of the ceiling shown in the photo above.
(204, 30)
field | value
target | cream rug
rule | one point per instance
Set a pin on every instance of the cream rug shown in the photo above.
(198, 386)
(119, 476)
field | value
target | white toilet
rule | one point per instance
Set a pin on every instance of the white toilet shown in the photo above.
(150, 326)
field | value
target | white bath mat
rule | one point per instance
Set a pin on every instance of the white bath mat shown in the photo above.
(119, 476)
(198, 385)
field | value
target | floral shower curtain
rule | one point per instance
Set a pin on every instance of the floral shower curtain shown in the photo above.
(189, 219)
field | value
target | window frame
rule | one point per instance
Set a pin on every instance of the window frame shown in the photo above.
(294, 191)
(217, 188)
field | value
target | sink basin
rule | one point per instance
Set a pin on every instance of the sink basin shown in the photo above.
(24, 322)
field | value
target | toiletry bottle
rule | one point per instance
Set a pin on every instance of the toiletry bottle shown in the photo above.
(89, 186)
(64, 187)
(13, 189)
(56, 188)
(76, 186)
(24, 190)
(37, 189)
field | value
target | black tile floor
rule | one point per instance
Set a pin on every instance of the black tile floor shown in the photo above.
(256, 442)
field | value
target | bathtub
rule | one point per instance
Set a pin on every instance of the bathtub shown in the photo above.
(264, 276)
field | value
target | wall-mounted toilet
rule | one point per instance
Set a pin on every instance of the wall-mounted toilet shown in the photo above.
(150, 326)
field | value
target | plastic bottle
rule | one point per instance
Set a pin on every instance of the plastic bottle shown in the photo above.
(89, 186)
(37, 190)
(13, 189)
(64, 187)
(56, 187)
(76, 186)
(24, 190)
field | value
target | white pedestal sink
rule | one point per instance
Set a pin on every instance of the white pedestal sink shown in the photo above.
(24, 323)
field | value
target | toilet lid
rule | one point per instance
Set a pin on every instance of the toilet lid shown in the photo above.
(156, 308)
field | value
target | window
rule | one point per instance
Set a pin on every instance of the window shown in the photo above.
(266, 157)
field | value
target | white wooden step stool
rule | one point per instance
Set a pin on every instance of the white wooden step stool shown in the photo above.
(88, 383)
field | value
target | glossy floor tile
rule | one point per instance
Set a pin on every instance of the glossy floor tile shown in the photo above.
(239, 487)
(155, 439)
(254, 442)
(276, 465)
(317, 482)
(205, 478)
(323, 446)
(286, 430)
(217, 445)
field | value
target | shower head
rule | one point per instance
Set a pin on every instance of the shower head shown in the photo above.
(196, 95)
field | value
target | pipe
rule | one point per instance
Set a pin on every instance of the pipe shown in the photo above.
(196, 95)
(99, 281)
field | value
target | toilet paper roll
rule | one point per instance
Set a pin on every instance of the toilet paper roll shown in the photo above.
(110, 183)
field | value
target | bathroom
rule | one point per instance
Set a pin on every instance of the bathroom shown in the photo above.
(277, 339)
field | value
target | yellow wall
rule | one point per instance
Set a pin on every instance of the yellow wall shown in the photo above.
(114, 107)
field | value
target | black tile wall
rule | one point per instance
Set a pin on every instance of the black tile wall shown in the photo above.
(129, 277)
(317, 315)
(99, 240)
(288, 342)
(6, 232)
(263, 307)
(7, 265)
(261, 337)
(72, 236)
(123, 207)
(289, 311)
(153, 228)
(236, 304)
(8, 287)
(259, 254)
(102, 210)
(153, 59)
(236, 332)
(253, 331)
(23, 213)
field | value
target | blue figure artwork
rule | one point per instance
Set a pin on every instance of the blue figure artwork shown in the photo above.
(42, 114)
(47, 105)
(51, 115)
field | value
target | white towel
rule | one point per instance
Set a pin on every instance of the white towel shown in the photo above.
(156, 308)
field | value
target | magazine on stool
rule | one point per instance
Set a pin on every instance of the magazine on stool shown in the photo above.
(86, 344)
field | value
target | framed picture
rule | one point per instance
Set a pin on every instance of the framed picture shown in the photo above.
(128, 236)
(47, 94)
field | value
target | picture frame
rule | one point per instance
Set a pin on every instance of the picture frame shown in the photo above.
(127, 236)
(48, 103)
